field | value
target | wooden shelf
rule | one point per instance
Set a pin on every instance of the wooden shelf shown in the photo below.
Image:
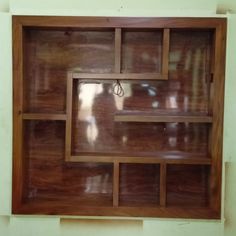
(43, 116)
(76, 208)
(71, 119)
(167, 158)
(120, 76)
(161, 117)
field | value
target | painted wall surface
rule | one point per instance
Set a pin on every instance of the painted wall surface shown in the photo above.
(50, 226)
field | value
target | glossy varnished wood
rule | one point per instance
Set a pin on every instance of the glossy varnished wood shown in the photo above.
(157, 158)
(94, 129)
(160, 117)
(40, 116)
(139, 185)
(72, 158)
(120, 22)
(119, 76)
(187, 185)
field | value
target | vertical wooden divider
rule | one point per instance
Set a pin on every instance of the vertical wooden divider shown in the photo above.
(163, 184)
(117, 50)
(116, 164)
(165, 53)
(68, 115)
(217, 113)
(116, 183)
(18, 160)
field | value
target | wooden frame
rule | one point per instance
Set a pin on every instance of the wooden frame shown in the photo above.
(218, 25)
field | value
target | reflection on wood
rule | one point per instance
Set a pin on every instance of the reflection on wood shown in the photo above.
(94, 129)
(187, 185)
(49, 54)
(157, 117)
(50, 178)
(141, 51)
(139, 185)
(82, 153)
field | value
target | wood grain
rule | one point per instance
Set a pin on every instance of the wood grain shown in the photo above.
(165, 53)
(41, 116)
(166, 169)
(160, 118)
(116, 183)
(19, 183)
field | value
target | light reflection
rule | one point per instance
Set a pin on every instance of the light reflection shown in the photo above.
(172, 141)
(98, 184)
(87, 93)
(171, 102)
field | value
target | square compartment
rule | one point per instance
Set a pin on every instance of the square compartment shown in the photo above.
(188, 185)
(141, 51)
(50, 179)
(139, 185)
(48, 56)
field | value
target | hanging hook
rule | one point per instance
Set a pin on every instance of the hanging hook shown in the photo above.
(117, 89)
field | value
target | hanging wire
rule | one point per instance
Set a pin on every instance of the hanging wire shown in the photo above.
(117, 89)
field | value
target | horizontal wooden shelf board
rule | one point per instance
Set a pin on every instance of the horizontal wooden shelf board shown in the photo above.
(136, 116)
(73, 208)
(120, 76)
(168, 158)
(121, 22)
(43, 116)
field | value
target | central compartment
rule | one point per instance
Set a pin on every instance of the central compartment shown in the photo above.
(97, 129)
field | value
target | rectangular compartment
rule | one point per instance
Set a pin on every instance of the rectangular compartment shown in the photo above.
(141, 51)
(190, 63)
(50, 53)
(94, 130)
(50, 179)
(188, 185)
(139, 185)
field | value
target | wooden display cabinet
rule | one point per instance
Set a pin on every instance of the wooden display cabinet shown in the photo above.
(118, 116)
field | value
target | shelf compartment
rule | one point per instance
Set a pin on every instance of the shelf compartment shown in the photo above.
(139, 185)
(141, 50)
(93, 129)
(41, 116)
(50, 54)
(155, 117)
(49, 178)
(188, 185)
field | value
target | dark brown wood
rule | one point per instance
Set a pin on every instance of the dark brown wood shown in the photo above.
(18, 180)
(119, 76)
(117, 50)
(120, 22)
(186, 185)
(142, 117)
(116, 184)
(139, 185)
(68, 116)
(163, 184)
(40, 116)
(161, 159)
(94, 129)
(165, 53)
(218, 114)
(142, 51)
